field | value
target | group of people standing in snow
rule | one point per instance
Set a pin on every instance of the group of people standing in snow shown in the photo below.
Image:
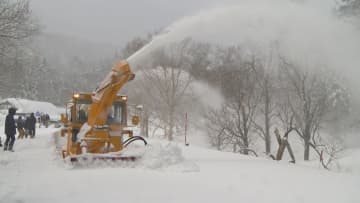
(25, 128)
(44, 119)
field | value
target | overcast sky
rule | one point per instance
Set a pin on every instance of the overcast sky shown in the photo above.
(113, 21)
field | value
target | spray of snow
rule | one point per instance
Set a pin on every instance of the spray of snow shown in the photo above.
(305, 32)
(208, 95)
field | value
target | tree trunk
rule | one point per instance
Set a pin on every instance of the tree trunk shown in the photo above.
(172, 105)
(245, 137)
(282, 145)
(290, 152)
(267, 123)
(283, 142)
(144, 124)
(307, 143)
(246, 142)
(281, 149)
(171, 127)
(218, 143)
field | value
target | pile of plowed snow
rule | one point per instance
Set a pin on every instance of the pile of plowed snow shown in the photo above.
(156, 155)
(164, 156)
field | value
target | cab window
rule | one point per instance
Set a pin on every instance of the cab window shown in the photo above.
(116, 114)
(82, 109)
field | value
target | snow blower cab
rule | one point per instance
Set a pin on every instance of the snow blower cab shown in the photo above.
(96, 123)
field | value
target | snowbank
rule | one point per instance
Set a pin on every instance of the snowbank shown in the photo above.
(166, 157)
(30, 106)
(349, 162)
(34, 176)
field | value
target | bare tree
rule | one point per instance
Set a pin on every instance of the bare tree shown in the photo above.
(16, 24)
(166, 85)
(236, 118)
(311, 96)
(216, 128)
(265, 68)
(231, 126)
(246, 103)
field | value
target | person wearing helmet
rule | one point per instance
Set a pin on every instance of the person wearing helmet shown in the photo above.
(10, 129)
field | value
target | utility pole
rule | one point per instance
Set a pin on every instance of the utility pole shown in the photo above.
(186, 123)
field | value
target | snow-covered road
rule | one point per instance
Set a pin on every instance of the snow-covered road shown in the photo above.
(35, 174)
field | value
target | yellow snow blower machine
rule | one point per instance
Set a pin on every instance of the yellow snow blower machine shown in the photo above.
(96, 124)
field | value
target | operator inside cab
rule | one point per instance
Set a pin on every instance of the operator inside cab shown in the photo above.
(83, 113)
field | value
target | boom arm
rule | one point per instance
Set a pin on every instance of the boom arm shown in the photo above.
(104, 95)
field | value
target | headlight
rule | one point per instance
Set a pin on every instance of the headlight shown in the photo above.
(124, 98)
(77, 95)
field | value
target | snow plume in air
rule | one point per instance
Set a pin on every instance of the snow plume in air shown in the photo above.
(304, 32)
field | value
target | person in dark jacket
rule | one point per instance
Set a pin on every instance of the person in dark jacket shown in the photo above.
(20, 123)
(26, 126)
(10, 130)
(31, 125)
(47, 120)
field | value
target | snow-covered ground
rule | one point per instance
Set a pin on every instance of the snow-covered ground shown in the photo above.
(169, 172)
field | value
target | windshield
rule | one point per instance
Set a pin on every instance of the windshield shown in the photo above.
(82, 109)
(117, 114)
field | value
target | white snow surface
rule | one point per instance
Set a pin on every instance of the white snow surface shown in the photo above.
(167, 172)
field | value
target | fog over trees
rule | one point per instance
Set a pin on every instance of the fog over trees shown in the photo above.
(261, 92)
